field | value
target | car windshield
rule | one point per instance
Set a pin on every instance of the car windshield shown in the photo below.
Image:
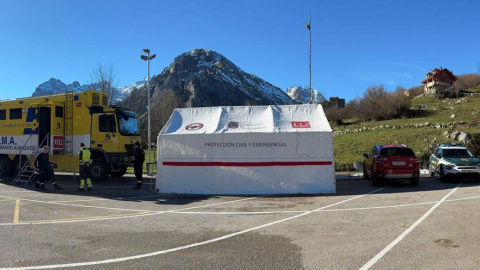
(393, 151)
(127, 124)
(457, 153)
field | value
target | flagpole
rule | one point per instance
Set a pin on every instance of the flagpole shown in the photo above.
(310, 57)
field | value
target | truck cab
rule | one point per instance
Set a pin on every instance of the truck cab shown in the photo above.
(62, 122)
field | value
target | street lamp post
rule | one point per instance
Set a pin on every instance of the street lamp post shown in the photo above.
(147, 58)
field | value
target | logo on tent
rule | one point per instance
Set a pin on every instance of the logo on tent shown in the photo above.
(233, 125)
(301, 124)
(194, 126)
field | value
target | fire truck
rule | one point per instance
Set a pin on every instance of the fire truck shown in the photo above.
(62, 122)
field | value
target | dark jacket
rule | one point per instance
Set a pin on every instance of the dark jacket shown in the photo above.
(42, 162)
(139, 158)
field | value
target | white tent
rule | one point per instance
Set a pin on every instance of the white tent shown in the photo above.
(246, 150)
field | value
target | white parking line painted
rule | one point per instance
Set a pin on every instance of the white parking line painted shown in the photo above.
(463, 199)
(377, 207)
(382, 253)
(151, 213)
(17, 191)
(113, 198)
(242, 213)
(135, 257)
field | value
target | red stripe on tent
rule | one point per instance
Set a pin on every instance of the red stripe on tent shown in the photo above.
(246, 164)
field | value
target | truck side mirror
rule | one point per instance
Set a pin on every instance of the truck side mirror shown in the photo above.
(365, 155)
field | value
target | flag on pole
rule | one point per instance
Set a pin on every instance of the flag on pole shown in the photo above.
(308, 25)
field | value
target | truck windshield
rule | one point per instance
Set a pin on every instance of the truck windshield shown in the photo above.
(127, 123)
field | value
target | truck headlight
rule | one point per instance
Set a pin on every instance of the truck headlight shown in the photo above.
(449, 166)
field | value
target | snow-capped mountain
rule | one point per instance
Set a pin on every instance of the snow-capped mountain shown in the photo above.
(206, 78)
(300, 95)
(124, 92)
(199, 77)
(56, 86)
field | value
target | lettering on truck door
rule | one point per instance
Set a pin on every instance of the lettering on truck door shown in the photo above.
(105, 134)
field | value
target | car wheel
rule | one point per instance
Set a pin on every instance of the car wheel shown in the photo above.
(374, 179)
(432, 173)
(414, 181)
(443, 177)
(365, 175)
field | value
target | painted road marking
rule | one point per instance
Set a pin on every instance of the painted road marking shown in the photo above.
(7, 200)
(16, 212)
(382, 253)
(83, 218)
(113, 198)
(184, 211)
(135, 257)
(151, 213)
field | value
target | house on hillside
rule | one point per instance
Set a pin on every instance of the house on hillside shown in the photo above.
(334, 102)
(439, 81)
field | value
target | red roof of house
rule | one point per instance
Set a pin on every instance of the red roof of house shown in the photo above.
(442, 74)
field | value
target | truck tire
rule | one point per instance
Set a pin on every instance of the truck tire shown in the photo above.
(99, 170)
(6, 166)
(119, 174)
(16, 165)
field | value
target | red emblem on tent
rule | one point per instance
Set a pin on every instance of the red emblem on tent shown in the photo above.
(233, 125)
(194, 126)
(301, 124)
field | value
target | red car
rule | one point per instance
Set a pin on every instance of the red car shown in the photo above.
(391, 161)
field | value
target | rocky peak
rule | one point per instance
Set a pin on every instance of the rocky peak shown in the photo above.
(207, 78)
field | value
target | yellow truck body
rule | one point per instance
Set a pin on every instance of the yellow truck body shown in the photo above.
(62, 122)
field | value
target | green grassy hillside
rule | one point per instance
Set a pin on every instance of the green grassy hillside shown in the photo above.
(350, 146)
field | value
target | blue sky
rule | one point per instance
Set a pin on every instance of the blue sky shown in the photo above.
(355, 44)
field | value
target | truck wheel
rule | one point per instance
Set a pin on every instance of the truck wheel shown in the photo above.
(99, 170)
(432, 173)
(414, 181)
(122, 171)
(18, 166)
(6, 165)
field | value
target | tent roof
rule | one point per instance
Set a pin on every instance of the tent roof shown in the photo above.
(247, 119)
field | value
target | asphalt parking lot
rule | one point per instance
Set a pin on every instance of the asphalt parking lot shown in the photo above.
(432, 226)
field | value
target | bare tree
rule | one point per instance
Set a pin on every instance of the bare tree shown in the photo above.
(167, 101)
(104, 76)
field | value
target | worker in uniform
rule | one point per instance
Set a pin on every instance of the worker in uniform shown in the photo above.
(45, 169)
(138, 164)
(85, 161)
